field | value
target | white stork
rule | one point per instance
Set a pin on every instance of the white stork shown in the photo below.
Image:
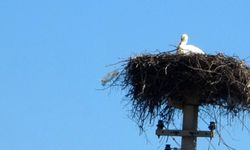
(183, 48)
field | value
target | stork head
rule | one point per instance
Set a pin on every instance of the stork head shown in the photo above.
(184, 39)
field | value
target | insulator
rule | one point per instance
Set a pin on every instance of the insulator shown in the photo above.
(160, 125)
(212, 126)
(168, 147)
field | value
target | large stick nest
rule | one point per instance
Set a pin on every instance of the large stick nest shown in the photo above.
(160, 83)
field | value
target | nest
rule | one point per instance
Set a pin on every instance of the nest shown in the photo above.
(158, 84)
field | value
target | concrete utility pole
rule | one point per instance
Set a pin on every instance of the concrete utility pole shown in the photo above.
(189, 131)
(190, 122)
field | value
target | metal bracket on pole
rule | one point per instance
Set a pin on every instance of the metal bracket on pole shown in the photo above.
(161, 132)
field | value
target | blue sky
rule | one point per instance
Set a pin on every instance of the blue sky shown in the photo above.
(54, 53)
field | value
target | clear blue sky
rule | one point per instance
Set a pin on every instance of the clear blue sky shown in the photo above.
(53, 54)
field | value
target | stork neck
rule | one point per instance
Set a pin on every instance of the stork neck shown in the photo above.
(184, 42)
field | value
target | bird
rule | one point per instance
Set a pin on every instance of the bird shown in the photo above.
(183, 48)
(109, 77)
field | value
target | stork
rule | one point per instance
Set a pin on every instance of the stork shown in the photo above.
(183, 48)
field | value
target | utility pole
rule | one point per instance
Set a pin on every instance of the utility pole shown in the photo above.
(190, 121)
(189, 131)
